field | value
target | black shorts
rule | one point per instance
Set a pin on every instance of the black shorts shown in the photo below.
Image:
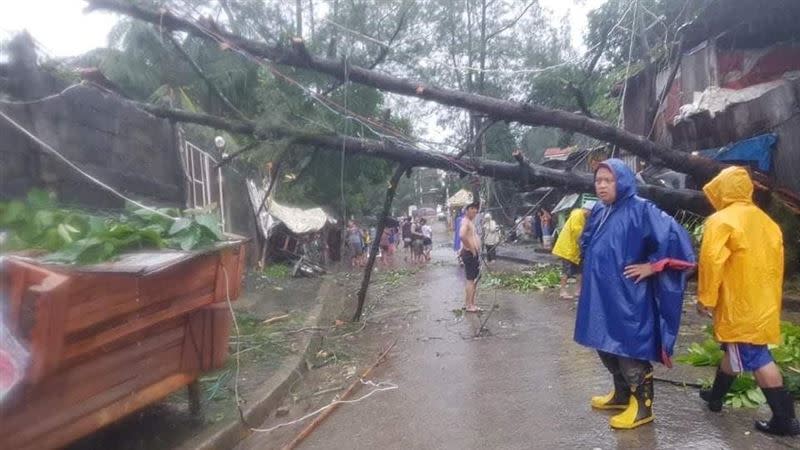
(427, 241)
(472, 267)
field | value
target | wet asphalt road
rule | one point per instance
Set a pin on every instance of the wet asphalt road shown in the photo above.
(527, 385)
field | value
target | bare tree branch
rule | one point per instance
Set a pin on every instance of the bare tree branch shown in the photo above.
(199, 71)
(512, 22)
(385, 49)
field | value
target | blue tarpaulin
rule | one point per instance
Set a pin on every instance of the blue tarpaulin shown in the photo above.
(756, 150)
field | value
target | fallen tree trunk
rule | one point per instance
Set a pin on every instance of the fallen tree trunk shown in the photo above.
(530, 176)
(524, 113)
(375, 247)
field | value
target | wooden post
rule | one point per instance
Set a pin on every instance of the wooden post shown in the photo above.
(193, 392)
(387, 207)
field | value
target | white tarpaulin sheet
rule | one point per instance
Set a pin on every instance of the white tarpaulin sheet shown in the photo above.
(460, 198)
(297, 220)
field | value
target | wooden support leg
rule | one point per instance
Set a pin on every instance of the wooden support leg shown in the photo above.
(193, 391)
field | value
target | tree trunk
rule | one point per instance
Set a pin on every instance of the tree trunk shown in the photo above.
(373, 253)
(311, 16)
(527, 114)
(298, 11)
(531, 176)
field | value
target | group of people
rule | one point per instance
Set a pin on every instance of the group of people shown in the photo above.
(415, 235)
(417, 239)
(535, 227)
(635, 260)
(358, 241)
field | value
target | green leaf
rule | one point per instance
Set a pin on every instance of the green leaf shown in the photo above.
(63, 231)
(44, 218)
(39, 199)
(210, 223)
(756, 396)
(13, 212)
(180, 225)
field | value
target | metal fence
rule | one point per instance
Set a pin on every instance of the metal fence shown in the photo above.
(204, 187)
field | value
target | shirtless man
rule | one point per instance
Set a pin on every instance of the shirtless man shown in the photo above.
(470, 250)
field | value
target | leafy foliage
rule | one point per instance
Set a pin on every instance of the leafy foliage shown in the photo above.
(744, 392)
(277, 271)
(71, 236)
(540, 278)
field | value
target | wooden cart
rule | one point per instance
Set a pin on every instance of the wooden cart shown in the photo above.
(107, 340)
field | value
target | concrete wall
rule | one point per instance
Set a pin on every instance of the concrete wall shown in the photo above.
(105, 135)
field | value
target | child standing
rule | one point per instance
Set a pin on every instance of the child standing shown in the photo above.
(740, 285)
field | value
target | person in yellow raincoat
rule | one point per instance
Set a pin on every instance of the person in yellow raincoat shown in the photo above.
(568, 247)
(740, 283)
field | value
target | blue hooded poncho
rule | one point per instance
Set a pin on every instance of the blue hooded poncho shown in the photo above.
(615, 314)
(457, 233)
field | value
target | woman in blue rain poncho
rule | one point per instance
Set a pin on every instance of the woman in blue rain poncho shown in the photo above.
(634, 256)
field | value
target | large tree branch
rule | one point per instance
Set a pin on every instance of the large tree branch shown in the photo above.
(532, 175)
(510, 111)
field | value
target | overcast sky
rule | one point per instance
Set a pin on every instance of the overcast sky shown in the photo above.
(62, 29)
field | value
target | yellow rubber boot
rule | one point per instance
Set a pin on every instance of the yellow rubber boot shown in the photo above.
(640, 407)
(616, 399)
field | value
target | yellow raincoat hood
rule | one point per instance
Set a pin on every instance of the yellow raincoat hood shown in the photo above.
(568, 243)
(741, 263)
(730, 186)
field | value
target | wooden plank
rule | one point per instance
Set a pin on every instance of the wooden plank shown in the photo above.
(72, 386)
(131, 339)
(191, 355)
(92, 286)
(14, 280)
(180, 280)
(148, 371)
(103, 302)
(221, 330)
(44, 305)
(174, 309)
(121, 408)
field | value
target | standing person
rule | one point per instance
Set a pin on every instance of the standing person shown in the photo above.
(528, 228)
(631, 302)
(406, 230)
(568, 248)
(386, 246)
(470, 254)
(427, 241)
(367, 241)
(356, 243)
(536, 228)
(416, 243)
(491, 236)
(546, 220)
(740, 285)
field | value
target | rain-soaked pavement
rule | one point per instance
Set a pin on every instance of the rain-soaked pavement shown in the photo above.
(524, 385)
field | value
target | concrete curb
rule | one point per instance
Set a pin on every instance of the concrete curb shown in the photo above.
(267, 398)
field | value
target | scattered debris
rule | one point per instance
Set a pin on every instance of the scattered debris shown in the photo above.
(275, 319)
